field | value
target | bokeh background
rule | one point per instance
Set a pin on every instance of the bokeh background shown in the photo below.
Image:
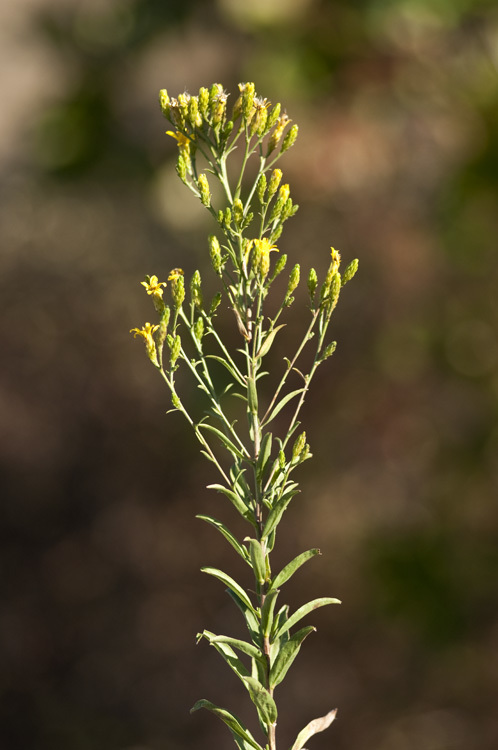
(396, 164)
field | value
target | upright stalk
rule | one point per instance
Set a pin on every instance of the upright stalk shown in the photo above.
(255, 469)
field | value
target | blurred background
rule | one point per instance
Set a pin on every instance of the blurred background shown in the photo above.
(396, 164)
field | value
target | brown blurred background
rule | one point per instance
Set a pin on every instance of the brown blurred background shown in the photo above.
(397, 164)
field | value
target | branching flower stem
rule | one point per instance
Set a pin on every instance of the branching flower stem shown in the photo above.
(256, 468)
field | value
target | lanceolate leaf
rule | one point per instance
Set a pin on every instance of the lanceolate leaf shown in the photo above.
(246, 648)
(280, 405)
(228, 654)
(232, 722)
(234, 373)
(265, 346)
(249, 617)
(231, 447)
(234, 497)
(257, 559)
(277, 512)
(228, 581)
(287, 654)
(291, 567)
(238, 547)
(264, 454)
(315, 726)
(262, 699)
(267, 611)
(304, 610)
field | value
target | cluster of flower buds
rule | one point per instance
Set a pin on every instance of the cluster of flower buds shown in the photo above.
(192, 115)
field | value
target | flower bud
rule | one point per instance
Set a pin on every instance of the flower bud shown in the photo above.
(350, 271)
(293, 279)
(183, 103)
(218, 108)
(275, 180)
(336, 261)
(175, 349)
(279, 267)
(273, 116)
(194, 115)
(205, 193)
(275, 137)
(215, 253)
(164, 102)
(290, 139)
(199, 329)
(203, 101)
(312, 283)
(227, 130)
(329, 350)
(177, 287)
(280, 203)
(195, 289)
(298, 447)
(281, 460)
(248, 93)
(163, 327)
(238, 211)
(181, 167)
(261, 188)
(260, 116)
(175, 114)
(176, 401)
(287, 210)
(215, 303)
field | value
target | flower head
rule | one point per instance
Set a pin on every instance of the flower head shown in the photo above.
(174, 274)
(147, 333)
(153, 285)
(261, 256)
(183, 141)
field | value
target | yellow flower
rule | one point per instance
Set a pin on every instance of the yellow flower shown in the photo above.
(183, 141)
(336, 261)
(261, 256)
(145, 332)
(153, 285)
(175, 273)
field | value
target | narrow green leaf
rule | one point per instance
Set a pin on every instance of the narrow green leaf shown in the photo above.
(304, 610)
(246, 648)
(228, 581)
(236, 375)
(277, 512)
(287, 654)
(232, 722)
(231, 447)
(227, 653)
(280, 405)
(252, 396)
(268, 341)
(264, 454)
(234, 497)
(250, 617)
(267, 610)
(315, 726)
(257, 559)
(238, 547)
(291, 567)
(262, 699)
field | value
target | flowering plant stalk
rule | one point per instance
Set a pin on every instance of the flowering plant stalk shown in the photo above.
(255, 467)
